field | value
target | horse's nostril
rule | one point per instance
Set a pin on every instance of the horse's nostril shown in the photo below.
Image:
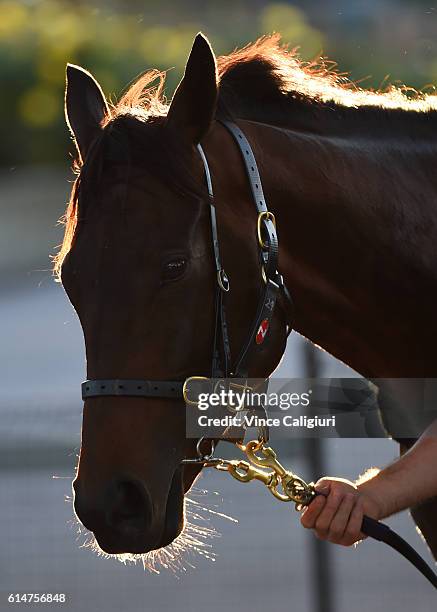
(129, 505)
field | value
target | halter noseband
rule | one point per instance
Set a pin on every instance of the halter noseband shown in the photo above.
(273, 288)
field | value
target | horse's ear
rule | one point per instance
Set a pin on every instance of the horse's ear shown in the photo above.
(85, 107)
(192, 108)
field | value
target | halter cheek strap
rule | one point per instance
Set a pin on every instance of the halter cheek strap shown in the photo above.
(268, 250)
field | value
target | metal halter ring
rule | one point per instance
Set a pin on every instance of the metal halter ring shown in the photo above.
(199, 449)
(264, 215)
(223, 280)
(202, 459)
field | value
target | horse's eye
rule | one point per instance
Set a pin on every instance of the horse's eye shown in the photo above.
(174, 269)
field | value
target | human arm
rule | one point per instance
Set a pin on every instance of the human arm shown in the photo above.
(336, 515)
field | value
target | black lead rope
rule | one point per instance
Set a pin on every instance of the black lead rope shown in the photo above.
(383, 533)
(274, 291)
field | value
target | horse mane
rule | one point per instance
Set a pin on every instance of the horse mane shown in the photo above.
(269, 72)
(263, 81)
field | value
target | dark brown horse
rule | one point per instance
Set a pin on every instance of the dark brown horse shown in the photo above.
(350, 176)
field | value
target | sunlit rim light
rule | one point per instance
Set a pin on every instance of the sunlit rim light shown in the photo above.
(179, 556)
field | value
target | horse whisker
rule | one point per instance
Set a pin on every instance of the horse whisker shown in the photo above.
(194, 540)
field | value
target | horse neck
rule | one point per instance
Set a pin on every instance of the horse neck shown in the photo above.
(357, 224)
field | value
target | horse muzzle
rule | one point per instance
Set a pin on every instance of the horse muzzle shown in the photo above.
(125, 520)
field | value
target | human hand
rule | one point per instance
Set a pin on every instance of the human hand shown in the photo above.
(336, 514)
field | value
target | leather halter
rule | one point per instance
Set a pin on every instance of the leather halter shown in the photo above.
(273, 289)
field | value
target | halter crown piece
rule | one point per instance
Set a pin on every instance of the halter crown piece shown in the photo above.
(283, 484)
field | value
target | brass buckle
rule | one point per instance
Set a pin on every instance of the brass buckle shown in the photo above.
(264, 215)
(185, 388)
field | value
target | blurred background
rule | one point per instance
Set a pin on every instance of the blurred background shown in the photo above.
(266, 560)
